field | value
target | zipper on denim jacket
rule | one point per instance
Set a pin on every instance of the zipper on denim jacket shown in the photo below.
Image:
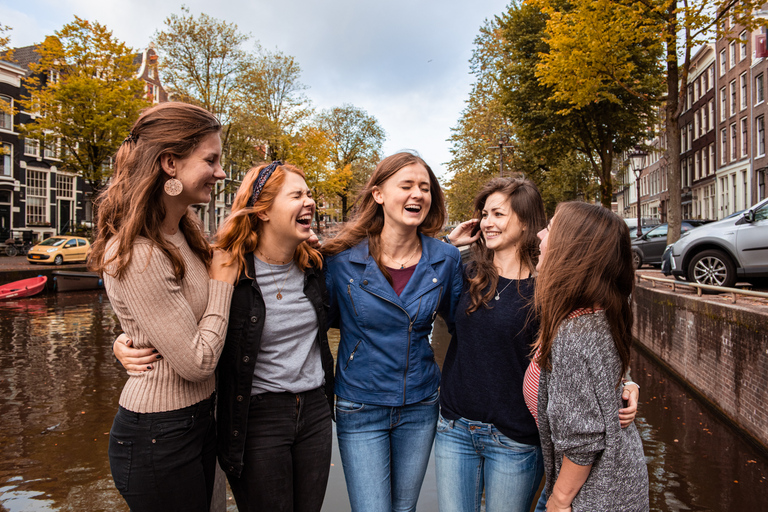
(352, 355)
(411, 321)
(439, 296)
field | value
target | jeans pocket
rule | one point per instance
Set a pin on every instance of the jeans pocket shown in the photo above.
(505, 442)
(120, 451)
(167, 430)
(431, 399)
(346, 406)
(443, 425)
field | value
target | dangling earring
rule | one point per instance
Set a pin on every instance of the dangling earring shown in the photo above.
(173, 187)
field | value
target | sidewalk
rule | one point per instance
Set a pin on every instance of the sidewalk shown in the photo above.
(17, 267)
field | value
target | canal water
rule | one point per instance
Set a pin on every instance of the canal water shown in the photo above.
(59, 387)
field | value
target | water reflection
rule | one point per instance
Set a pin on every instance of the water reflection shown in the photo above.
(59, 387)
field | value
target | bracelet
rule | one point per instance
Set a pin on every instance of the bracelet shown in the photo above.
(447, 240)
(632, 382)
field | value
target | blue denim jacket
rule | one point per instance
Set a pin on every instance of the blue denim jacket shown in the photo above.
(385, 357)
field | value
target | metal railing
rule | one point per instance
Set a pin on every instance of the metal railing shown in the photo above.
(733, 292)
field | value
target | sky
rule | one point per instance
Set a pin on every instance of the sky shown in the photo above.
(404, 62)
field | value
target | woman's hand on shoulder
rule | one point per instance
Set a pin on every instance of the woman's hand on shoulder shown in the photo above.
(462, 234)
(222, 269)
(313, 240)
(627, 415)
(134, 359)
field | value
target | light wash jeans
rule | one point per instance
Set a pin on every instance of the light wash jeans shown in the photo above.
(385, 451)
(471, 456)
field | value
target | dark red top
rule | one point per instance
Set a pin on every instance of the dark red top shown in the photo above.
(400, 277)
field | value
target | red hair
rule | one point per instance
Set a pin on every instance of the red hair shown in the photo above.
(239, 235)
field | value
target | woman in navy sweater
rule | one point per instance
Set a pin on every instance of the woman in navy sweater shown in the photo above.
(486, 438)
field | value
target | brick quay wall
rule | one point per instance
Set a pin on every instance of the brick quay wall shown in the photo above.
(719, 350)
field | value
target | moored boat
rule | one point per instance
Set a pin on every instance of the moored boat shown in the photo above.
(64, 281)
(23, 288)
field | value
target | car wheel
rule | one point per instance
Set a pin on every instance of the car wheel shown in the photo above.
(713, 268)
(637, 259)
(58, 260)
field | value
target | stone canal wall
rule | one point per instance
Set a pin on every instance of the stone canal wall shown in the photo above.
(721, 350)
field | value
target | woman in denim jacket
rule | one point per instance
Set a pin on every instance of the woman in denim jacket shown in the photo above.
(387, 279)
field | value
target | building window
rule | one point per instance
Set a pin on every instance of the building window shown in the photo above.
(31, 147)
(723, 105)
(760, 129)
(734, 142)
(759, 94)
(690, 136)
(723, 146)
(734, 101)
(37, 197)
(683, 140)
(712, 118)
(705, 119)
(711, 73)
(696, 91)
(690, 98)
(732, 53)
(743, 87)
(697, 166)
(65, 186)
(744, 137)
(697, 124)
(743, 45)
(723, 62)
(6, 118)
(6, 160)
(51, 149)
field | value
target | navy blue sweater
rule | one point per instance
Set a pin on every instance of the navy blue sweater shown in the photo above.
(485, 364)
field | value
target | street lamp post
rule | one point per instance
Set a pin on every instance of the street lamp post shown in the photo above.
(637, 161)
(502, 145)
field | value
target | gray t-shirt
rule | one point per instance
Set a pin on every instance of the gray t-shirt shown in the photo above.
(289, 358)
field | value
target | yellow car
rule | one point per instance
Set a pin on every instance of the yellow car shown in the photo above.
(59, 249)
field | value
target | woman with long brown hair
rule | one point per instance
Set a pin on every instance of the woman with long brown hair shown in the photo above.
(487, 443)
(387, 279)
(171, 292)
(583, 296)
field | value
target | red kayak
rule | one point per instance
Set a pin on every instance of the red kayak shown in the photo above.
(23, 288)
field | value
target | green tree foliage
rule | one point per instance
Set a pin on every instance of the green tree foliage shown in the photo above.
(202, 63)
(579, 37)
(84, 95)
(542, 102)
(356, 139)
(274, 105)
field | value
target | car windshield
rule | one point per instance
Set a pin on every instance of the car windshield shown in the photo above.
(53, 241)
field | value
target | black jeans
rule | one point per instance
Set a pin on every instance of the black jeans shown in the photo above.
(165, 461)
(287, 453)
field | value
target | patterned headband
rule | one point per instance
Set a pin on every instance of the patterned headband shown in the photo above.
(258, 185)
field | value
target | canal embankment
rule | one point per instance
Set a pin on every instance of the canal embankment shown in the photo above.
(718, 350)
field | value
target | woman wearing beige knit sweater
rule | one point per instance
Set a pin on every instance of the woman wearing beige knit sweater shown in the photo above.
(170, 292)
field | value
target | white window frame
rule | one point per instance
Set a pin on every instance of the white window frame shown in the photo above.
(7, 167)
(744, 92)
(743, 45)
(731, 54)
(744, 137)
(6, 118)
(723, 105)
(723, 146)
(734, 145)
(723, 62)
(31, 147)
(734, 101)
(760, 129)
(37, 197)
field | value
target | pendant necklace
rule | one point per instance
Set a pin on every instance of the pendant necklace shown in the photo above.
(279, 295)
(498, 293)
(402, 265)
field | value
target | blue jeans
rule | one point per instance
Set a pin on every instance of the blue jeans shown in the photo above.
(471, 456)
(385, 451)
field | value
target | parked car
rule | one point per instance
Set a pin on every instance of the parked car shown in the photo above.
(646, 224)
(647, 249)
(59, 249)
(719, 253)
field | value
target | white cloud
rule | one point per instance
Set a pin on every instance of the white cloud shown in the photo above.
(404, 61)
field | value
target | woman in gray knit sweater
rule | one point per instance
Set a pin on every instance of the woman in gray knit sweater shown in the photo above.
(583, 297)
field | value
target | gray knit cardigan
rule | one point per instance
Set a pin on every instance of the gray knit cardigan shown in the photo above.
(578, 407)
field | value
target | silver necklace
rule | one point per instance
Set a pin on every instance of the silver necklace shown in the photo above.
(402, 265)
(498, 293)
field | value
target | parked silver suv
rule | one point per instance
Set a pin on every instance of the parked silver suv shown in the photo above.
(718, 253)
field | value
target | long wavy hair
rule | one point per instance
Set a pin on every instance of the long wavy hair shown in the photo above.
(368, 217)
(588, 263)
(239, 235)
(131, 205)
(525, 201)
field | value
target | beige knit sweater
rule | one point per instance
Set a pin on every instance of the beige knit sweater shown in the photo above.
(185, 321)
